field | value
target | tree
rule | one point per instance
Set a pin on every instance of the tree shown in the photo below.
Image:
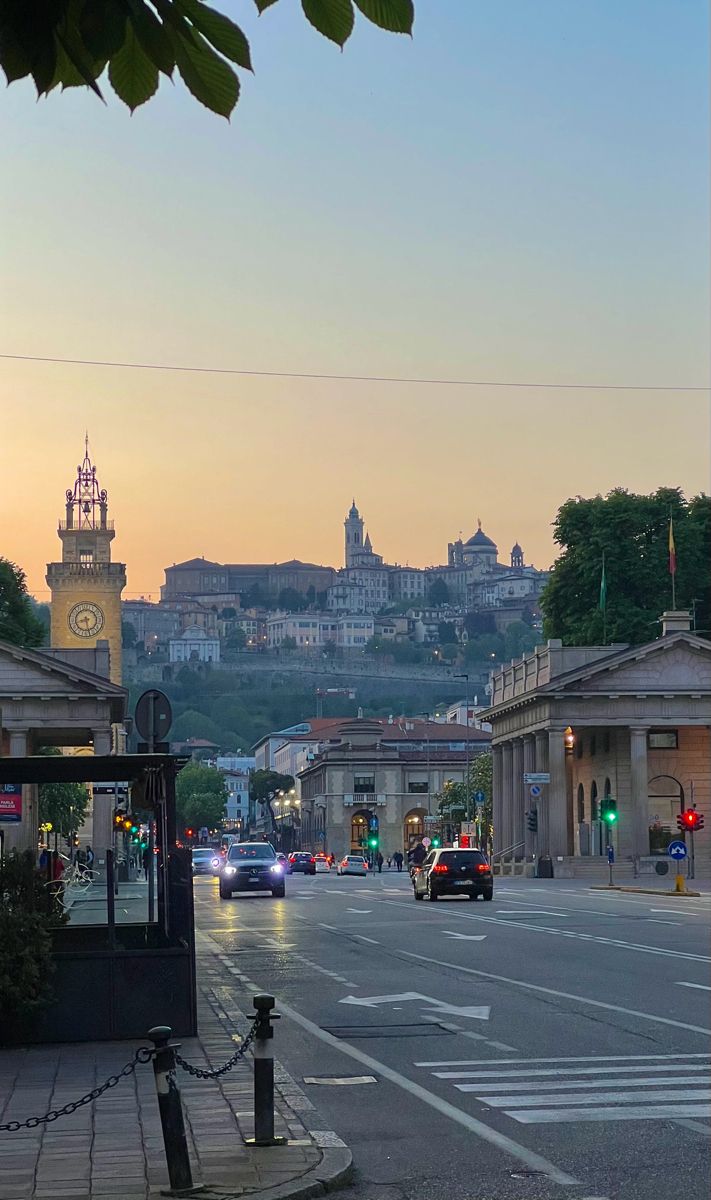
(228, 614)
(19, 623)
(63, 805)
(291, 600)
(447, 632)
(452, 800)
(288, 643)
(71, 43)
(330, 649)
(194, 724)
(438, 593)
(129, 637)
(264, 784)
(519, 639)
(632, 531)
(200, 796)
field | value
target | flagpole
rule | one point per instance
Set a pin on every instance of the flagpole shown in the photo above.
(603, 600)
(672, 559)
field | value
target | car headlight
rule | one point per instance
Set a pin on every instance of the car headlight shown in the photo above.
(230, 870)
(277, 868)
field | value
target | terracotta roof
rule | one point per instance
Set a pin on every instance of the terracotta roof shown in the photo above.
(397, 731)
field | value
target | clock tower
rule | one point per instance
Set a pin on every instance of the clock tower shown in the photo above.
(86, 585)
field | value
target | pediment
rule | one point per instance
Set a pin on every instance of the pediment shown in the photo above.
(31, 673)
(681, 665)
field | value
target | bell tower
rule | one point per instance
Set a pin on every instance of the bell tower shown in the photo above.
(353, 525)
(86, 585)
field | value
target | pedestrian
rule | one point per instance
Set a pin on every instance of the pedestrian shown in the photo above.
(43, 859)
(380, 860)
(389, 861)
(89, 858)
(398, 860)
(146, 860)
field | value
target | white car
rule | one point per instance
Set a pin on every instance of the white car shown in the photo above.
(352, 864)
(323, 866)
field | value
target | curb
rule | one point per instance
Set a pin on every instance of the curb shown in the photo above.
(333, 1171)
(621, 887)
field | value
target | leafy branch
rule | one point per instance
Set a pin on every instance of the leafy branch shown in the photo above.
(71, 43)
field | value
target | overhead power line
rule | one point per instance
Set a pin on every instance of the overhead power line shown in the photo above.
(475, 383)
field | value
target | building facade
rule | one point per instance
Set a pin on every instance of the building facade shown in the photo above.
(86, 585)
(194, 645)
(631, 723)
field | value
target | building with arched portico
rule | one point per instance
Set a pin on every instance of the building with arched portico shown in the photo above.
(628, 722)
(375, 775)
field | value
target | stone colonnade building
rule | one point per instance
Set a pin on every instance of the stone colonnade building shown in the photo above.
(630, 722)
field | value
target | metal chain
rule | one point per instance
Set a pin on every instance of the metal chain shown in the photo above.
(239, 1053)
(142, 1055)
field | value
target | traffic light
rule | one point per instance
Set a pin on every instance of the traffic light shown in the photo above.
(532, 820)
(465, 841)
(608, 810)
(436, 842)
(690, 821)
(119, 818)
(373, 841)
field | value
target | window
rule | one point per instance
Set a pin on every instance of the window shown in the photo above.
(579, 744)
(593, 746)
(594, 814)
(581, 803)
(363, 783)
(417, 786)
(606, 741)
(663, 739)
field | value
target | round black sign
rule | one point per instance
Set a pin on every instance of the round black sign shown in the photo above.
(153, 715)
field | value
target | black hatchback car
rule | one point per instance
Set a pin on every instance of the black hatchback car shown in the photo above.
(452, 873)
(303, 862)
(251, 867)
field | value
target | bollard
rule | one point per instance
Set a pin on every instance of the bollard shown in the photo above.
(264, 1074)
(680, 885)
(171, 1114)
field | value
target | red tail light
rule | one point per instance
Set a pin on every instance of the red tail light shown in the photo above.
(440, 869)
(482, 866)
(313, 859)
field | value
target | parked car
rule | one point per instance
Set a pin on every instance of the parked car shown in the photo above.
(322, 864)
(203, 860)
(251, 867)
(448, 872)
(303, 862)
(352, 864)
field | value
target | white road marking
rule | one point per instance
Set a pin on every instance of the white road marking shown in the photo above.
(339, 1081)
(363, 912)
(534, 912)
(529, 1158)
(535, 987)
(477, 1012)
(528, 1074)
(693, 1095)
(677, 911)
(696, 1126)
(702, 987)
(586, 1058)
(331, 928)
(361, 938)
(567, 933)
(465, 937)
(551, 1085)
(653, 921)
(653, 1112)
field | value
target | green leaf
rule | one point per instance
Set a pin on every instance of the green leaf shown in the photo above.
(152, 36)
(333, 18)
(263, 5)
(13, 59)
(205, 74)
(395, 15)
(102, 26)
(133, 76)
(70, 42)
(223, 34)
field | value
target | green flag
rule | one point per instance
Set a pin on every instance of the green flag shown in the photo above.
(603, 587)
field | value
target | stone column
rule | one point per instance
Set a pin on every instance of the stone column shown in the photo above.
(542, 839)
(518, 833)
(639, 789)
(102, 806)
(507, 795)
(558, 803)
(497, 797)
(529, 764)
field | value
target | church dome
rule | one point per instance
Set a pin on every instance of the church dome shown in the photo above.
(353, 510)
(480, 541)
(516, 549)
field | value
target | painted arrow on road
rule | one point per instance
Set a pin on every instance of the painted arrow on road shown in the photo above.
(465, 937)
(476, 1012)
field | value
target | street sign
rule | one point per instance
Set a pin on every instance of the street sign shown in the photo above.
(479, 797)
(153, 716)
(426, 842)
(677, 850)
(468, 827)
(536, 777)
(430, 820)
(536, 789)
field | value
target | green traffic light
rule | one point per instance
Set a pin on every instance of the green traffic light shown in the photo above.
(436, 843)
(372, 842)
(611, 817)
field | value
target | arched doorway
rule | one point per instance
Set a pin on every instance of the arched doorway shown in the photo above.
(363, 823)
(413, 828)
(666, 800)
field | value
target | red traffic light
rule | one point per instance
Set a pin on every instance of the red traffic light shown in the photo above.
(464, 841)
(690, 820)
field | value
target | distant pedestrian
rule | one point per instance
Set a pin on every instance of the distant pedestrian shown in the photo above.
(89, 858)
(380, 860)
(389, 861)
(146, 860)
(43, 859)
(398, 858)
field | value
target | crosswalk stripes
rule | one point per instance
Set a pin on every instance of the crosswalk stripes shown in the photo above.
(553, 1091)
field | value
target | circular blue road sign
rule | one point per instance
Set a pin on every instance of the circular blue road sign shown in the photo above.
(677, 850)
(535, 789)
(479, 797)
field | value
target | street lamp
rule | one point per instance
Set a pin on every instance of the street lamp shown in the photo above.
(465, 677)
(426, 715)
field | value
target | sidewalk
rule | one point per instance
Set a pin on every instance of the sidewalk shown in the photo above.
(112, 1148)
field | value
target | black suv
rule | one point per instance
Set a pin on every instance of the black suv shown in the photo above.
(251, 867)
(453, 872)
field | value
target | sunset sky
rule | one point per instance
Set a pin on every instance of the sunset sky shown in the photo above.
(517, 194)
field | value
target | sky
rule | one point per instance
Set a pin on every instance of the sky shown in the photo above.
(517, 194)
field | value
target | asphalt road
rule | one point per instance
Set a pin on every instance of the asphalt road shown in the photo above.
(552, 1043)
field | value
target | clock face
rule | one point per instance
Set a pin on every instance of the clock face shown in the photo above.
(86, 620)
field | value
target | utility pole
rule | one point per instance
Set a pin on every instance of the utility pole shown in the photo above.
(426, 715)
(468, 792)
